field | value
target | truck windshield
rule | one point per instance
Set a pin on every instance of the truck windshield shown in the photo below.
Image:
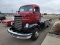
(25, 8)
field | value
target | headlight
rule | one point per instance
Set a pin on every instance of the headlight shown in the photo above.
(12, 23)
(30, 25)
(27, 25)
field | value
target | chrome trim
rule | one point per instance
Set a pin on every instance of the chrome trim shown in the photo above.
(25, 19)
(33, 25)
(19, 35)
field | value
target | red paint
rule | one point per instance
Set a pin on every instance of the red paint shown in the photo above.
(28, 16)
(31, 16)
(8, 22)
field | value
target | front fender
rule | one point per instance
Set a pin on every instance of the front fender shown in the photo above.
(33, 26)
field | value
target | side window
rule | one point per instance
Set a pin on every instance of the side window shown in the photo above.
(36, 9)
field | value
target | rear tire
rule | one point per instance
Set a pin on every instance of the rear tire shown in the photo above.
(34, 34)
(50, 20)
(47, 25)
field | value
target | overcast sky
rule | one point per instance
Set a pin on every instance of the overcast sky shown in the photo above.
(46, 6)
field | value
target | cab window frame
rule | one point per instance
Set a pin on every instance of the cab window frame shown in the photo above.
(36, 9)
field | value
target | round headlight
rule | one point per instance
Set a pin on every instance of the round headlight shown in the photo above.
(12, 23)
(27, 25)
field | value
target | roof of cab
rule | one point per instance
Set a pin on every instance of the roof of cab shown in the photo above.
(31, 5)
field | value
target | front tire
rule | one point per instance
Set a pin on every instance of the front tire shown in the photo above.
(35, 34)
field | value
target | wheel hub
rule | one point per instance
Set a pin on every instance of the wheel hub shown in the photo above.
(36, 34)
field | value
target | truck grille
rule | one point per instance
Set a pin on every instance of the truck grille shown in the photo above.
(18, 22)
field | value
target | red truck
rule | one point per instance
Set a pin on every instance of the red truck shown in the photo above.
(28, 22)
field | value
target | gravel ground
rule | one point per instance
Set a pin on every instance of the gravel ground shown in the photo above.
(7, 39)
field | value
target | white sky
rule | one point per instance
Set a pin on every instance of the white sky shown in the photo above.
(47, 6)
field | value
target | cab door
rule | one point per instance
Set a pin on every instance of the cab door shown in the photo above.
(37, 13)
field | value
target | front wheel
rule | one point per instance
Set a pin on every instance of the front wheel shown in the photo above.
(34, 34)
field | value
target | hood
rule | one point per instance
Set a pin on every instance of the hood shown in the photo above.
(26, 16)
(24, 13)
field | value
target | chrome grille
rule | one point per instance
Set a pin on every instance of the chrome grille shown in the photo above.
(18, 22)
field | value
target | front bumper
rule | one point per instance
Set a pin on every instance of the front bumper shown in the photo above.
(19, 35)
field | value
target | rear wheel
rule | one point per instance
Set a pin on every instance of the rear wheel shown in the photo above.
(47, 24)
(35, 34)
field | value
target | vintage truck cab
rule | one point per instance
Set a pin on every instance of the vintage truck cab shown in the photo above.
(30, 13)
(26, 23)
